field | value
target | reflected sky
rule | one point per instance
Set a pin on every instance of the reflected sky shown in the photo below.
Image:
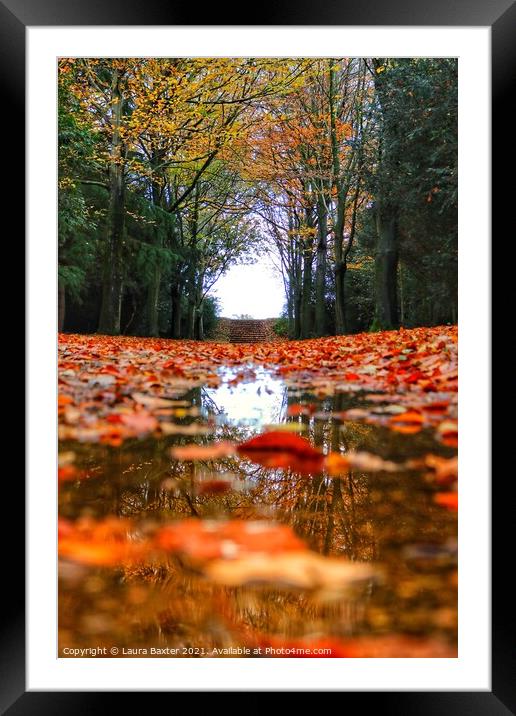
(254, 404)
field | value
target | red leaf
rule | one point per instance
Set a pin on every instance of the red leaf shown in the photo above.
(282, 441)
(450, 500)
(280, 449)
(299, 409)
(174, 367)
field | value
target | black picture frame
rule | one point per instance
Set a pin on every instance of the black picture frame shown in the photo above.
(15, 17)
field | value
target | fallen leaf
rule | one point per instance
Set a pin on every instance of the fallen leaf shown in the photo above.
(306, 570)
(281, 441)
(409, 422)
(208, 539)
(448, 431)
(150, 401)
(140, 423)
(447, 499)
(445, 469)
(202, 452)
(336, 463)
(67, 472)
(103, 543)
(281, 449)
(299, 409)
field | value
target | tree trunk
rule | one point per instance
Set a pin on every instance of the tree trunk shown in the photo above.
(340, 219)
(402, 296)
(199, 304)
(297, 310)
(320, 270)
(191, 309)
(306, 299)
(153, 300)
(340, 307)
(386, 260)
(154, 284)
(386, 270)
(175, 298)
(340, 264)
(112, 277)
(190, 319)
(200, 324)
(290, 308)
(61, 297)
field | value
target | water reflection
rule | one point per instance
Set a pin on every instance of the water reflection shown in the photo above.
(386, 518)
(254, 403)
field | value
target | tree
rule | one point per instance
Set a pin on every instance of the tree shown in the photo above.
(172, 169)
(76, 248)
(157, 116)
(414, 181)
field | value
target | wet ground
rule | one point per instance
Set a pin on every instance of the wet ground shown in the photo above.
(389, 520)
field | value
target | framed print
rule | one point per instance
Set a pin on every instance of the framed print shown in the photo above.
(258, 289)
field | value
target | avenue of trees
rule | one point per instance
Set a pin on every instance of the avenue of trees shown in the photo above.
(171, 170)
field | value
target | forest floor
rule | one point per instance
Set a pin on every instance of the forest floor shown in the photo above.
(294, 498)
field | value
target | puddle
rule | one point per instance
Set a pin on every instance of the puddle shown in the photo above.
(254, 403)
(386, 519)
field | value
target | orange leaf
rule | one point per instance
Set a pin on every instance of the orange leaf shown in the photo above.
(206, 539)
(447, 499)
(103, 543)
(336, 464)
(445, 469)
(448, 431)
(409, 422)
(202, 452)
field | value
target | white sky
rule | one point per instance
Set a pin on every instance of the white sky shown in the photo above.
(255, 289)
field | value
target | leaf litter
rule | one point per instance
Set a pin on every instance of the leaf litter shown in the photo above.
(114, 391)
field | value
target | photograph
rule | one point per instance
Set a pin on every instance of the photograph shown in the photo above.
(257, 377)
